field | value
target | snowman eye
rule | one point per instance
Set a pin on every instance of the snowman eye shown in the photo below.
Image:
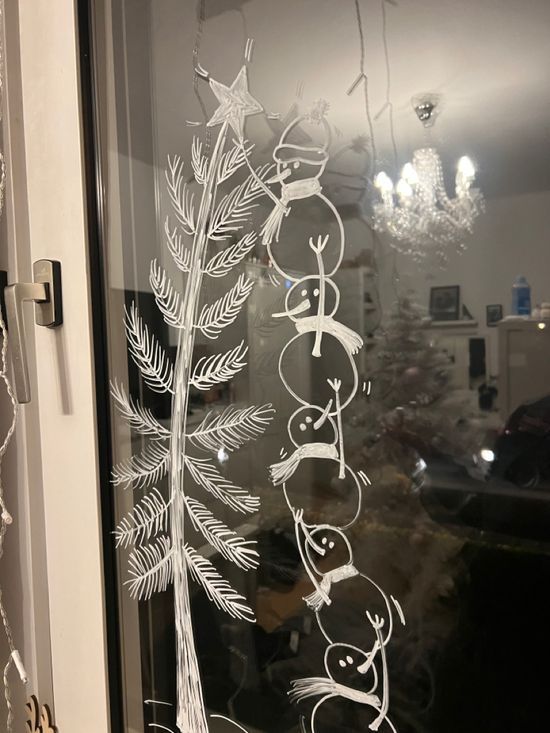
(324, 541)
(349, 660)
(331, 545)
(341, 663)
(296, 164)
(303, 426)
(309, 419)
(316, 291)
(304, 292)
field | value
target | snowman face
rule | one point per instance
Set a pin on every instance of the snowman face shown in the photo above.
(302, 300)
(350, 666)
(298, 169)
(336, 546)
(310, 425)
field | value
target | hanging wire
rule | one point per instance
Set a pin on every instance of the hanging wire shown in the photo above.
(389, 102)
(363, 75)
(201, 14)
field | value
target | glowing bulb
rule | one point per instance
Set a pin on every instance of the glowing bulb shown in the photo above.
(409, 174)
(466, 167)
(487, 455)
(403, 188)
(222, 455)
(383, 182)
(541, 325)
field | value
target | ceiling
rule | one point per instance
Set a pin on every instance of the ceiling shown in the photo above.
(487, 59)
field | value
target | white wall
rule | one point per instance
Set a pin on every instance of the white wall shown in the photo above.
(511, 238)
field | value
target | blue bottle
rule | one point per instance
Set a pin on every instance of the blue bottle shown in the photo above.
(521, 297)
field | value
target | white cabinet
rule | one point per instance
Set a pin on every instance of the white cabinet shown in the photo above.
(524, 362)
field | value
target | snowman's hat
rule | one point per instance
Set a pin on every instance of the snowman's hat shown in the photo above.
(314, 153)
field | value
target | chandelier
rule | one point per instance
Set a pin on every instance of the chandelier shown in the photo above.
(421, 219)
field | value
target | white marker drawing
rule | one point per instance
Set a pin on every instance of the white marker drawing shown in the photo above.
(249, 49)
(228, 720)
(312, 304)
(298, 170)
(155, 526)
(344, 662)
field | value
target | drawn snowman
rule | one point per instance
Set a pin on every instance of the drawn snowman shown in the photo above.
(299, 168)
(353, 678)
(316, 544)
(316, 313)
(316, 436)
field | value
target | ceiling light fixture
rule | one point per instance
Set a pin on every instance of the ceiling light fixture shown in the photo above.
(417, 213)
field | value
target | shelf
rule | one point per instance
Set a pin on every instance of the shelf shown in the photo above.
(452, 324)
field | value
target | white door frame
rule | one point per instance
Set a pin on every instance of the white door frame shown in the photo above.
(44, 129)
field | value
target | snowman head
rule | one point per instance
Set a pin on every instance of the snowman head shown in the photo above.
(302, 299)
(311, 424)
(300, 162)
(336, 546)
(350, 666)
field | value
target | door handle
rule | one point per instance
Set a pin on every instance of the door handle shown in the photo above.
(45, 292)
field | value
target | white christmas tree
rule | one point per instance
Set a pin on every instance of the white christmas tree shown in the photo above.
(155, 526)
(413, 407)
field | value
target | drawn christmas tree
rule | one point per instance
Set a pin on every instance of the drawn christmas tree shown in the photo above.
(155, 526)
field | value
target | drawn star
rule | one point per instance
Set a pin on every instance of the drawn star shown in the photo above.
(236, 103)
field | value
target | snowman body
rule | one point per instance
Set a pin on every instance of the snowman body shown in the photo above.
(307, 217)
(344, 599)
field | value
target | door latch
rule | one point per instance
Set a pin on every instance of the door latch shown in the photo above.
(45, 293)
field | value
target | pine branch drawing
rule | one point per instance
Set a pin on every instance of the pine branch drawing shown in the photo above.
(156, 527)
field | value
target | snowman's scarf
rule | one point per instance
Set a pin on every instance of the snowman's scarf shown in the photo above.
(321, 594)
(284, 470)
(289, 192)
(314, 686)
(350, 340)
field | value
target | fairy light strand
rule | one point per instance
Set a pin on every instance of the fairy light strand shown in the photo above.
(196, 66)
(389, 102)
(364, 76)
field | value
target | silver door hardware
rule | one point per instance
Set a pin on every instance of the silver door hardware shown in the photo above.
(45, 292)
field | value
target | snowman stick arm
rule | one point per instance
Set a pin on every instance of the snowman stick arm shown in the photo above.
(336, 384)
(257, 178)
(364, 668)
(306, 563)
(388, 608)
(322, 418)
(385, 682)
(321, 305)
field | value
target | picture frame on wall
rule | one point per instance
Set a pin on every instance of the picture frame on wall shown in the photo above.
(494, 314)
(445, 303)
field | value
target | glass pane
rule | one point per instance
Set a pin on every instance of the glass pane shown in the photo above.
(329, 347)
